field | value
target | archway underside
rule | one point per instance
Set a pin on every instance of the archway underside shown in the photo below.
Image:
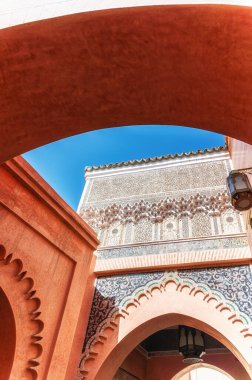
(183, 65)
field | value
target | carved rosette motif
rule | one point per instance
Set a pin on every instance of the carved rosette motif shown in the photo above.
(13, 273)
(160, 281)
(157, 212)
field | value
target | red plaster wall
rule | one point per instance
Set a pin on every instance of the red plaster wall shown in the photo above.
(164, 368)
(135, 364)
(187, 65)
(56, 249)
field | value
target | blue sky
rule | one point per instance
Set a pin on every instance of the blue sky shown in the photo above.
(62, 163)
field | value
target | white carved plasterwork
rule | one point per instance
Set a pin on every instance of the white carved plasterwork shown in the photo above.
(169, 229)
(201, 225)
(169, 219)
(158, 212)
(158, 183)
(143, 231)
(230, 222)
(114, 234)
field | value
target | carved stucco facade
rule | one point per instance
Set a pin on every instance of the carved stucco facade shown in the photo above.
(170, 214)
(166, 204)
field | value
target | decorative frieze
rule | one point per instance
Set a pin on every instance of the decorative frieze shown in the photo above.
(158, 212)
(209, 257)
(162, 248)
(152, 183)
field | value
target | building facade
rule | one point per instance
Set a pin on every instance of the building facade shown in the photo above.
(87, 71)
(165, 222)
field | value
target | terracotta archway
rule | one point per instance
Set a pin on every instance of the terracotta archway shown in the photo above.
(200, 365)
(158, 305)
(185, 65)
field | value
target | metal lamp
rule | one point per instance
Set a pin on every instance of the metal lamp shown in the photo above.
(191, 344)
(240, 190)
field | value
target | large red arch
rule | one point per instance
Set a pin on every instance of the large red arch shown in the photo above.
(185, 65)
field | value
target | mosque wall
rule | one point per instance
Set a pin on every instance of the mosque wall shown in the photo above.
(162, 220)
(170, 210)
(170, 199)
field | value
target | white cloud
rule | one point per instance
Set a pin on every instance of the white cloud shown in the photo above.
(14, 12)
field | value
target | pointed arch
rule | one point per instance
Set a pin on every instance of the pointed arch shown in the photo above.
(160, 304)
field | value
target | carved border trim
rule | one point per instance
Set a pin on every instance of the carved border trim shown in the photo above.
(157, 212)
(213, 297)
(25, 285)
(182, 259)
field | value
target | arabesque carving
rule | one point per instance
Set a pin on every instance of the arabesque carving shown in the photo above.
(157, 212)
(213, 298)
(12, 271)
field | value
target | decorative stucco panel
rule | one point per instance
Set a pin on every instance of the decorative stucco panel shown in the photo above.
(234, 283)
(160, 248)
(170, 181)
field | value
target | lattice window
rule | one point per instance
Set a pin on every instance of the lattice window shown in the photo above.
(201, 225)
(128, 233)
(143, 231)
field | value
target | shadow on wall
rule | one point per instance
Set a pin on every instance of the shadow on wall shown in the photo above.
(7, 336)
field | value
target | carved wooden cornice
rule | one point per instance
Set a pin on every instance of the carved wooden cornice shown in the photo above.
(157, 212)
